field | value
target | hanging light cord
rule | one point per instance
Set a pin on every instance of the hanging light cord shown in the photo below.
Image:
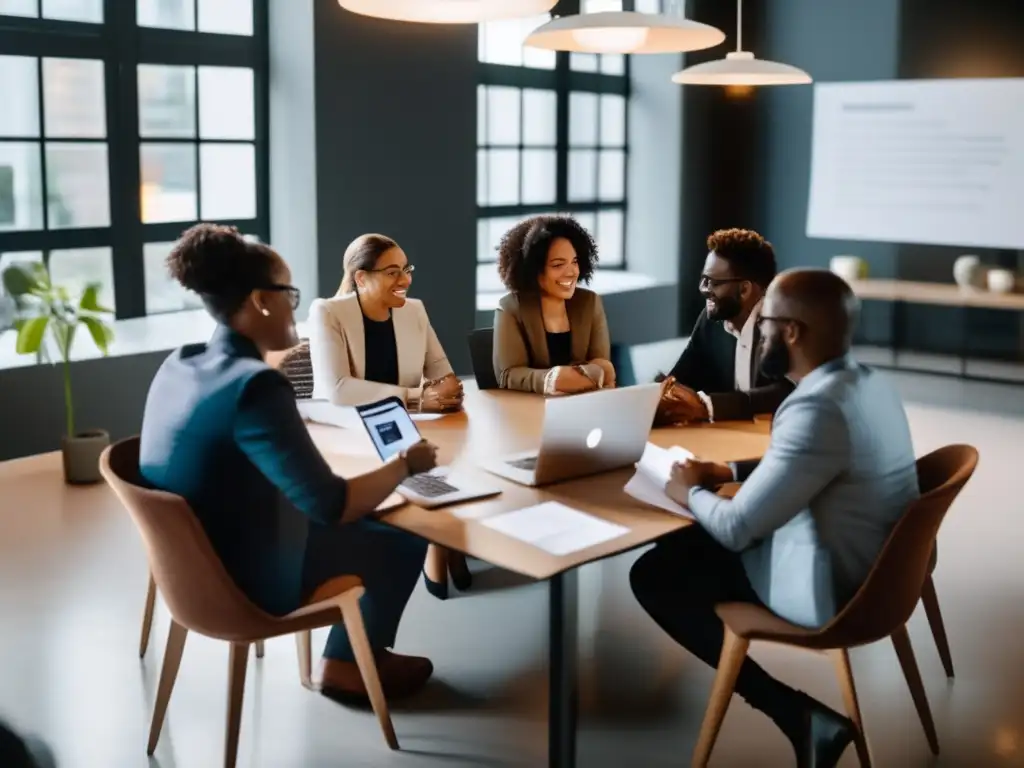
(739, 25)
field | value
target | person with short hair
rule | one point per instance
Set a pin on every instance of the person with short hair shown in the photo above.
(550, 335)
(718, 376)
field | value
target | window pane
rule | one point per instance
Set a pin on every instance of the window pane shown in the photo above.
(610, 237)
(648, 6)
(613, 64)
(613, 174)
(481, 176)
(167, 14)
(583, 62)
(20, 115)
(503, 177)
(582, 174)
(18, 7)
(73, 97)
(77, 185)
(168, 182)
(163, 294)
(74, 10)
(231, 17)
(503, 115)
(496, 229)
(582, 119)
(539, 117)
(21, 186)
(76, 268)
(226, 103)
(613, 121)
(227, 178)
(589, 222)
(501, 42)
(539, 171)
(481, 115)
(167, 101)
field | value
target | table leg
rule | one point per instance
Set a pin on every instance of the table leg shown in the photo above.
(563, 689)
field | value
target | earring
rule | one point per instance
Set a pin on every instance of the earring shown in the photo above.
(266, 312)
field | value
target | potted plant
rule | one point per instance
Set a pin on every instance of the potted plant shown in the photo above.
(42, 306)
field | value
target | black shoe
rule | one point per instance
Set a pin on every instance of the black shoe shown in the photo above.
(462, 577)
(438, 589)
(826, 736)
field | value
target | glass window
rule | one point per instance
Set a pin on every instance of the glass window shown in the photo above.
(75, 268)
(648, 6)
(20, 78)
(612, 175)
(74, 10)
(167, 101)
(540, 113)
(613, 64)
(501, 42)
(227, 181)
(169, 190)
(226, 103)
(583, 62)
(230, 17)
(77, 185)
(167, 14)
(163, 294)
(613, 121)
(73, 99)
(582, 175)
(503, 115)
(19, 8)
(502, 176)
(583, 119)
(611, 237)
(539, 176)
(21, 186)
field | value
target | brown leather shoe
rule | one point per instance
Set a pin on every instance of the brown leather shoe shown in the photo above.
(400, 676)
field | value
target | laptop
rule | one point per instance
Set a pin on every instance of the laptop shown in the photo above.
(391, 430)
(584, 435)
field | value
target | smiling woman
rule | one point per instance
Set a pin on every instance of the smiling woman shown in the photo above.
(550, 336)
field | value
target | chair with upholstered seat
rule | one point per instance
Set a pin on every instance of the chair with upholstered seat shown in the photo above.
(202, 598)
(481, 356)
(881, 607)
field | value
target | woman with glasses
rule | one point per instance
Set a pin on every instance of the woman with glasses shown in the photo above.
(222, 430)
(371, 341)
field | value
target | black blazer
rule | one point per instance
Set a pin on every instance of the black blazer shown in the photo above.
(708, 364)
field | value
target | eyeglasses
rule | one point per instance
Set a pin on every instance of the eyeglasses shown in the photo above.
(393, 273)
(294, 294)
(713, 282)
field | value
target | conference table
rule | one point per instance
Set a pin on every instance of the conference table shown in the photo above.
(497, 423)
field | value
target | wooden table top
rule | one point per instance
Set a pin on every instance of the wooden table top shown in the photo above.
(941, 294)
(496, 423)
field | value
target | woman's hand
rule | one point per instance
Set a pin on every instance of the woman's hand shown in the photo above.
(442, 395)
(570, 381)
(608, 369)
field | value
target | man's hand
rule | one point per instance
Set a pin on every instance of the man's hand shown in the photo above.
(691, 474)
(679, 404)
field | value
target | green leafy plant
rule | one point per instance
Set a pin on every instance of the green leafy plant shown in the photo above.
(42, 306)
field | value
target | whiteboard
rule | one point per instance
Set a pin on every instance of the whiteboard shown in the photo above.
(936, 162)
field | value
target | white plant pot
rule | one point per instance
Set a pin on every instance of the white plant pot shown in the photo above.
(1001, 280)
(81, 455)
(968, 272)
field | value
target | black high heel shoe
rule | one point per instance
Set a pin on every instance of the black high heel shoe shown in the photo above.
(459, 571)
(437, 588)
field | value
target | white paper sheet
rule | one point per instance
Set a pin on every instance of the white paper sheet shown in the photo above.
(324, 412)
(652, 473)
(555, 528)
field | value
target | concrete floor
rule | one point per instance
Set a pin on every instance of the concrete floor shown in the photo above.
(72, 581)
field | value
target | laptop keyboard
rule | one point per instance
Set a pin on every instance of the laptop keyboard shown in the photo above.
(529, 463)
(429, 486)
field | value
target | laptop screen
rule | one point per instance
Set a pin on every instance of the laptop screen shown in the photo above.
(390, 427)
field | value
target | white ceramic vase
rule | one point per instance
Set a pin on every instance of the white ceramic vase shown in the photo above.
(968, 272)
(1001, 280)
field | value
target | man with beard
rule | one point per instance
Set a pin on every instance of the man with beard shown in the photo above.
(809, 519)
(718, 376)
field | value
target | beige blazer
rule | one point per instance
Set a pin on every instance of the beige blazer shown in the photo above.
(338, 354)
(521, 358)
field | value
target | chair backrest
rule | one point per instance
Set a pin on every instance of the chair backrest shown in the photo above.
(622, 362)
(297, 367)
(893, 587)
(481, 353)
(199, 593)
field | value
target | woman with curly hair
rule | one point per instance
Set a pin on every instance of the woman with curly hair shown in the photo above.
(550, 336)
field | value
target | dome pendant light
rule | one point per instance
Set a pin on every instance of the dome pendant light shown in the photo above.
(740, 67)
(624, 32)
(448, 11)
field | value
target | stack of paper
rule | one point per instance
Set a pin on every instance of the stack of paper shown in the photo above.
(555, 528)
(652, 474)
(324, 412)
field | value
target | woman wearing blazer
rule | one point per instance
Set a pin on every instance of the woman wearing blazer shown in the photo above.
(370, 341)
(550, 336)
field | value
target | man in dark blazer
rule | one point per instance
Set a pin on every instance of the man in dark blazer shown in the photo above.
(718, 377)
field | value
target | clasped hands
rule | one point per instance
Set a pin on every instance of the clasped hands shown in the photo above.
(679, 404)
(690, 474)
(571, 381)
(442, 396)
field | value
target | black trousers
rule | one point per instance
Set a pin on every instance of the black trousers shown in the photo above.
(679, 582)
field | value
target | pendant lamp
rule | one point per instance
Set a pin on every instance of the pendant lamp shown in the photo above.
(740, 67)
(448, 11)
(624, 32)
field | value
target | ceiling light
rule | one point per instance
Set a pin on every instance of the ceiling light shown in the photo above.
(741, 67)
(448, 11)
(624, 32)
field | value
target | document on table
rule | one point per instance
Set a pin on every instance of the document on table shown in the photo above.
(555, 528)
(325, 412)
(652, 474)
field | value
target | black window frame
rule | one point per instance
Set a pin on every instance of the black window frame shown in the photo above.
(563, 81)
(123, 45)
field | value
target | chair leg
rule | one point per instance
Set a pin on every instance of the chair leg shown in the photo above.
(931, 609)
(172, 660)
(303, 646)
(844, 672)
(259, 649)
(147, 617)
(353, 619)
(237, 663)
(905, 653)
(734, 651)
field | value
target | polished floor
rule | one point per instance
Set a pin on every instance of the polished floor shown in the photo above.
(72, 580)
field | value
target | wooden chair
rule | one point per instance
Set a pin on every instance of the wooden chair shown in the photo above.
(930, 599)
(202, 598)
(881, 607)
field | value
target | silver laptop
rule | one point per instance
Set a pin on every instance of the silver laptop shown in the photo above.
(584, 435)
(391, 430)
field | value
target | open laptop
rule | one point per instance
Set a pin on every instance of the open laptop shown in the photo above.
(584, 435)
(391, 430)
